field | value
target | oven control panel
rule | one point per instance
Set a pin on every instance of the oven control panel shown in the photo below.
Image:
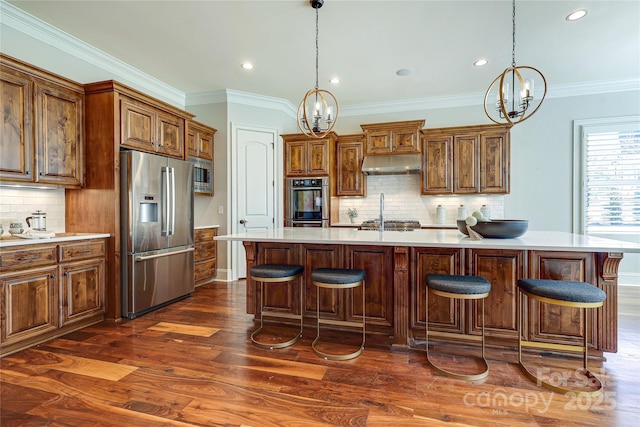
(307, 182)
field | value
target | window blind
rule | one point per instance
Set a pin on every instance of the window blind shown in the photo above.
(612, 181)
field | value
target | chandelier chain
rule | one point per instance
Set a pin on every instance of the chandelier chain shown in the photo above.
(513, 35)
(316, 49)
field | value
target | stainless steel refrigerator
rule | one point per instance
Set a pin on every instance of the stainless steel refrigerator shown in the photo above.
(156, 231)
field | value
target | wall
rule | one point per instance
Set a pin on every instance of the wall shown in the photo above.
(18, 203)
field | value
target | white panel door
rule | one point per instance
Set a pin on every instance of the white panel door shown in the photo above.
(254, 193)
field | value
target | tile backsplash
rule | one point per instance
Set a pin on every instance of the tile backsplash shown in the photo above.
(402, 201)
(18, 203)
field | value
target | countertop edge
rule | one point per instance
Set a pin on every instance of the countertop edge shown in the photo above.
(57, 239)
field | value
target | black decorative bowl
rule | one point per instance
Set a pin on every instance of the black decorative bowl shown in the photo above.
(497, 228)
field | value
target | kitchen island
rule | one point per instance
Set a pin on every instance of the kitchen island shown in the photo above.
(397, 262)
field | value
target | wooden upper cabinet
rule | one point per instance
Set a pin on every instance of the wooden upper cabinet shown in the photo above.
(465, 164)
(147, 128)
(60, 147)
(16, 137)
(495, 159)
(304, 156)
(437, 175)
(43, 127)
(466, 160)
(350, 181)
(200, 140)
(392, 138)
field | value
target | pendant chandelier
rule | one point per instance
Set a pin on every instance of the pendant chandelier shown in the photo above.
(513, 90)
(318, 110)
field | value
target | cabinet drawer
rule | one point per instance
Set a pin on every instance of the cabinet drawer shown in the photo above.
(205, 250)
(204, 234)
(15, 259)
(82, 250)
(205, 270)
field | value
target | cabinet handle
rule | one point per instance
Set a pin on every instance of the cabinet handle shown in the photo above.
(53, 276)
(66, 273)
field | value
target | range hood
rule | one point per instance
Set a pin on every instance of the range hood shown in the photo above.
(392, 164)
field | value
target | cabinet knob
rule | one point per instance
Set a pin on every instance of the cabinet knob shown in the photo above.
(53, 276)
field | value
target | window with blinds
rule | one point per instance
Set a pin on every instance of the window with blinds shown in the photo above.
(611, 177)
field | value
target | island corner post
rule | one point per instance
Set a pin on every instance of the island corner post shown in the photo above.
(397, 296)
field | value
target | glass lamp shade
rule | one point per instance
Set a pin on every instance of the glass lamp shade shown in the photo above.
(515, 95)
(317, 113)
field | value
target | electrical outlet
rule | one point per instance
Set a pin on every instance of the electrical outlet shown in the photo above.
(221, 210)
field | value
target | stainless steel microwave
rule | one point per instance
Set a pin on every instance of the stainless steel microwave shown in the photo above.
(202, 176)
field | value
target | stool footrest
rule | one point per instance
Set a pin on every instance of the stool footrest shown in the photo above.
(271, 346)
(462, 337)
(592, 380)
(333, 356)
(552, 346)
(467, 377)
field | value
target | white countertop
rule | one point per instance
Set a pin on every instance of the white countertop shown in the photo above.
(538, 240)
(206, 226)
(7, 240)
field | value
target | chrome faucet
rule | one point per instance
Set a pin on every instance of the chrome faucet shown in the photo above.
(381, 212)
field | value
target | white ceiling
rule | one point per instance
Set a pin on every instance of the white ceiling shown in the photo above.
(198, 46)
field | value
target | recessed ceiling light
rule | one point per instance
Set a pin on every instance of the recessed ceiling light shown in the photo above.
(247, 65)
(574, 16)
(334, 81)
(480, 62)
(404, 71)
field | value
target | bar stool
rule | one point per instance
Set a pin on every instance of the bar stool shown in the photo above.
(458, 287)
(336, 278)
(569, 294)
(275, 273)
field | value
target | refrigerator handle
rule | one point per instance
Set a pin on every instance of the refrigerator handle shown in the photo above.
(164, 228)
(172, 228)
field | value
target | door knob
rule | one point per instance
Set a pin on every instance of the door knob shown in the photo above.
(243, 221)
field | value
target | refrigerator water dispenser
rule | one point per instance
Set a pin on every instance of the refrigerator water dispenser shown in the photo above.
(148, 212)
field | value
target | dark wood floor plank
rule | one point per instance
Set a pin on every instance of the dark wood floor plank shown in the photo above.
(192, 363)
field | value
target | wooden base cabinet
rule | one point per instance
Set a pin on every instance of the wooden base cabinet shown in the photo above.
(49, 290)
(205, 255)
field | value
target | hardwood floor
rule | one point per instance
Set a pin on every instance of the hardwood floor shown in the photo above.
(192, 363)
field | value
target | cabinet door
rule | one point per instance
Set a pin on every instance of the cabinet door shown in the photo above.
(378, 142)
(28, 304)
(282, 297)
(377, 261)
(170, 135)
(295, 161)
(502, 268)
(82, 293)
(59, 142)
(192, 142)
(553, 323)
(445, 314)
(205, 145)
(465, 164)
(16, 136)
(437, 167)
(494, 162)
(350, 179)
(331, 302)
(405, 142)
(318, 161)
(137, 126)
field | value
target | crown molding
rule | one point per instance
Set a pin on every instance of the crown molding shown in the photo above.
(243, 98)
(42, 31)
(46, 33)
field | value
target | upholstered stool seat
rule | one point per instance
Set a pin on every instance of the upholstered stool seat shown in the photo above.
(564, 293)
(276, 273)
(458, 287)
(338, 278)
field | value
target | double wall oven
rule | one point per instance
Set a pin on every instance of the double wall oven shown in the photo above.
(307, 202)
